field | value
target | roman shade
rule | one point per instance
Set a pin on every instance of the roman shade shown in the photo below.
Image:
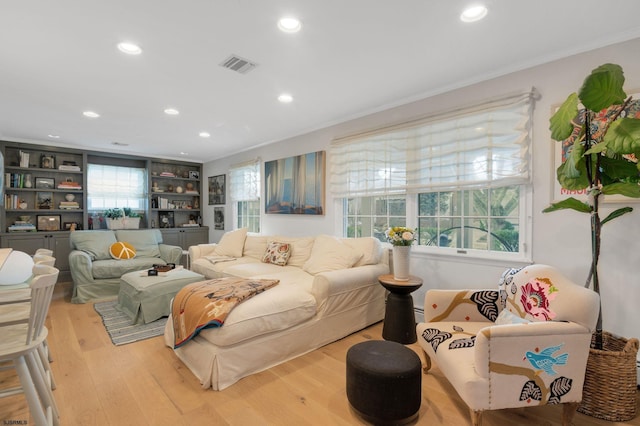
(480, 146)
(244, 181)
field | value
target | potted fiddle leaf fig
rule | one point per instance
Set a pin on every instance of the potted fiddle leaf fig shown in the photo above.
(599, 128)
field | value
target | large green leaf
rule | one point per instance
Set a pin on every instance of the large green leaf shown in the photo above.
(603, 87)
(618, 168)
(623, 136)
(560, 123)
(569, 203)
(628, 189)
(572, 174)
(617, 213)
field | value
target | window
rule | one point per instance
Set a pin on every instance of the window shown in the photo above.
(244, 192)
(249, 215)
(110, 186)
(372, 216)
(477, 219)
(463, 177)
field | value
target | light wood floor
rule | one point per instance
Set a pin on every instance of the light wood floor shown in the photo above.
(145, 384)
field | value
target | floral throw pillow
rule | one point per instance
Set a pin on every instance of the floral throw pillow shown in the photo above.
(277, 253)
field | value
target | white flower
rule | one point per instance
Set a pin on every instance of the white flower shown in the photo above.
(408, 236)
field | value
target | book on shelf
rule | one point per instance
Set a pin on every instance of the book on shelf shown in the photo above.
(24, 159)
(69, 185)
(190, 225)
(27, 227)
(69, 205)
(69, 168)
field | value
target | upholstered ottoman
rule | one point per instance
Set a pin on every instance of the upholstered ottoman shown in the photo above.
(384, 382)
(145, 299)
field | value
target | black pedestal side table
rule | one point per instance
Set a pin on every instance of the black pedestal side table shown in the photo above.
(399, 317)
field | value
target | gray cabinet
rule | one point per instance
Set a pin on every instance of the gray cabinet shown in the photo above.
(58, 242)
(185, 237)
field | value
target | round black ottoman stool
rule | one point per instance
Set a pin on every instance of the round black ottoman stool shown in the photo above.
(384, 382)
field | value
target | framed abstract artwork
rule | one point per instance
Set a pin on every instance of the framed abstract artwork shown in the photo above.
(295, 185)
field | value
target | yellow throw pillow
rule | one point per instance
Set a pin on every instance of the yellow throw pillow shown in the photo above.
(122, 250)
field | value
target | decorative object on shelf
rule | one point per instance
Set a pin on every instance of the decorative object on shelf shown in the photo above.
(48, 223)
(194, 174)
(295, 185)
(47, 161)
(179, 189)
(169, 188)
(166, 220)
(23, 205)
(72, 226)
(601, 141)
(27, 181)
(45, 183)
(69, 197)
(401, 238)
(44, 200)
(217, 189)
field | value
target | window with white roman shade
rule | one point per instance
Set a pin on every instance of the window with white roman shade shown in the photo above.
(484, 145)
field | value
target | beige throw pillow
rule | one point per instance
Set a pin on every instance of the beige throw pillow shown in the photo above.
(370, 247)
(330, 254)
(300, 248)
(277, 253)
(232, 243)
(254, 246)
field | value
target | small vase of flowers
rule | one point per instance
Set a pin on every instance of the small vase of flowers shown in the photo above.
(401, 238)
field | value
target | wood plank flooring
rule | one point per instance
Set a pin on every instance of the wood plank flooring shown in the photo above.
(145, 384)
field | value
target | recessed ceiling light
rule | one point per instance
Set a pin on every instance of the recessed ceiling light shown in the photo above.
(204, 134)
(473, 13)
(171, 111)
(289, 24)
(285, 98)
(184, 153)
(129, 48)
(119, 144)
(54, 136)
(91, 114)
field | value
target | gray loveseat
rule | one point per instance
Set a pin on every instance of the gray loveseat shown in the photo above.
(96, 275)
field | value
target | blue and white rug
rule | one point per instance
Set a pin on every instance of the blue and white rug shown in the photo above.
(119, 326)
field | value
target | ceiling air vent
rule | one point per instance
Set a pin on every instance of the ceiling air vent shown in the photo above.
(238, 64)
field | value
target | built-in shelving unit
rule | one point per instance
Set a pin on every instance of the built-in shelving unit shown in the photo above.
(175, 194)
(44, 197)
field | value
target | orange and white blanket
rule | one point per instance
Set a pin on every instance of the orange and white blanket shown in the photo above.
(208, 303)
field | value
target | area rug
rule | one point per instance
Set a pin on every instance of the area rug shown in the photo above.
(119, 326)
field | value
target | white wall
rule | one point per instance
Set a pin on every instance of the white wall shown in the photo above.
(561, 239)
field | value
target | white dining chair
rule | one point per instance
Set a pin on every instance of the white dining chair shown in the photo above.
(22, 345)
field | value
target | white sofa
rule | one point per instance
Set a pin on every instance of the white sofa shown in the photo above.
(328, 289)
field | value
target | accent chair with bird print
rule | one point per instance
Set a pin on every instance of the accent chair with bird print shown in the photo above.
(523, 344)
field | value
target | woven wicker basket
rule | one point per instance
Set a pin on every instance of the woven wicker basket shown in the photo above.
(610, 384)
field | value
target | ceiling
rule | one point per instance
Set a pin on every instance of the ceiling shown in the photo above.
(352, 57)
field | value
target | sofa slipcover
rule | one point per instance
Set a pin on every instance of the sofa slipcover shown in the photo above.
(96, 275)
